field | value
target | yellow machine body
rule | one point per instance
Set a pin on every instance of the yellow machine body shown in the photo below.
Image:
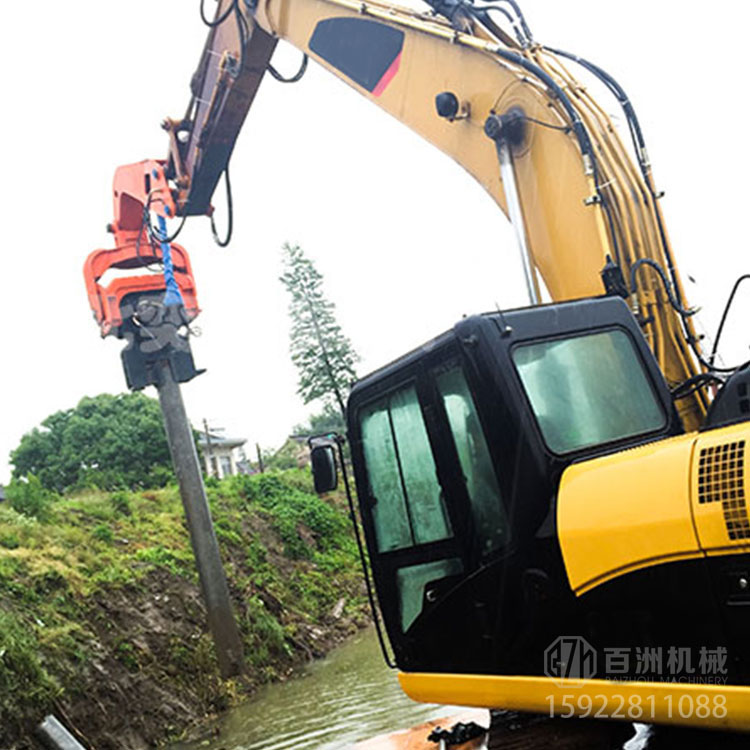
(666, 501)
(721, 707)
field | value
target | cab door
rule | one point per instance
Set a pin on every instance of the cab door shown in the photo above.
(430, 505)
(414, 546)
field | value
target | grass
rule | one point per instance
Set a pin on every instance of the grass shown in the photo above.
(289, 557)
(25, 684)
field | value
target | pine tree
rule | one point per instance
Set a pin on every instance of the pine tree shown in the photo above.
(324, 357)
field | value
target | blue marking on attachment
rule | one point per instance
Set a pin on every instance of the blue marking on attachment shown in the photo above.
(173, 295)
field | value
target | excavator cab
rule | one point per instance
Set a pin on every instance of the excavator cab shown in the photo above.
(458, 449)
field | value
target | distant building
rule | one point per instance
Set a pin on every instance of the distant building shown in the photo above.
(222, 456)
(2, 493)
(295, 453)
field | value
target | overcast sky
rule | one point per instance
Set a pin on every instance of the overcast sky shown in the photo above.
(406, 241)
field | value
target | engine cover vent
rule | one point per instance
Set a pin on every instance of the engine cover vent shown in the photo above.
(721, 478)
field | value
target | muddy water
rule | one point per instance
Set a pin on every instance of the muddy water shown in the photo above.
(352, 696)
(347, 697)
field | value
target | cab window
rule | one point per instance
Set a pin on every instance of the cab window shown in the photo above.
(490, 520)
(588, 389)
(408, 508)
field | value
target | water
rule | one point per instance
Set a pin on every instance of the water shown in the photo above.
(351, 696)
(348, 697)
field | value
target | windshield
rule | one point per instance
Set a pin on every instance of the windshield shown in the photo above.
(587, 390)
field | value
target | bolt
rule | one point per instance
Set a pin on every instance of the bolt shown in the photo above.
(743, 583)
(493, 127)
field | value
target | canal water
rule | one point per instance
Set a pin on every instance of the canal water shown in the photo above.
(351, 696)
(340, 700)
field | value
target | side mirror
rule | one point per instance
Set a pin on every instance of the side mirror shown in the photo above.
(325, 475)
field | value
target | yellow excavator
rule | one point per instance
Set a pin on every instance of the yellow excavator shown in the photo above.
(553, 498)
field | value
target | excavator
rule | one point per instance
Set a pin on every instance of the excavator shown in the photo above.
(553, 498)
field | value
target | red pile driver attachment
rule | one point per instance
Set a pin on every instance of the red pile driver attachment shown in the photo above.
(138, 189)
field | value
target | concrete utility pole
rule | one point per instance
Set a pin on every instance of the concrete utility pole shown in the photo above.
(260, 457)
(205, 547)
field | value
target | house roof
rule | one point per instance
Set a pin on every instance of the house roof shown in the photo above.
(219, 441)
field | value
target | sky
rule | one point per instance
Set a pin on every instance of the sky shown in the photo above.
(405, 239)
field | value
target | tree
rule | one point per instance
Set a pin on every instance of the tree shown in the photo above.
(324, 357)
(105, 441)
(27, 496)
(328, 420)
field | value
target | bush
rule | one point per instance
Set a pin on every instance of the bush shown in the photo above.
(10, 541)
(27, 496)
(103, 533)
(121, 502)
(266, 634)
(26, 687)
(160, 476)
(291, 508)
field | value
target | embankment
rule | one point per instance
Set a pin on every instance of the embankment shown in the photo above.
(101, 618)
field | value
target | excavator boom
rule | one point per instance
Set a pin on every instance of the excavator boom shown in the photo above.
(586, 206)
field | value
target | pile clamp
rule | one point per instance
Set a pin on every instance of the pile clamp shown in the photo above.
(153, 310)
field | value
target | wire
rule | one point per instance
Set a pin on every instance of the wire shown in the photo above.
(513, 4)
(529, 39)
(720, 329)
(484, 18)
(221, 18)
(639, 143)
(684, 313)
(153, 235)
(667, 287)
(153, 231)
(230, 221)
(243, 31)
(579, 129)
(584, 141)
(636, 134)
(552, 126)
(365, 569)
(146, 224)
(694, 389)
(618, 92)
(296, 77)
(694, 383)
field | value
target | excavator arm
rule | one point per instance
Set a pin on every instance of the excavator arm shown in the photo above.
(583, 209)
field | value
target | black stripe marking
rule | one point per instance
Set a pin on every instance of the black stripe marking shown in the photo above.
(361, 49)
